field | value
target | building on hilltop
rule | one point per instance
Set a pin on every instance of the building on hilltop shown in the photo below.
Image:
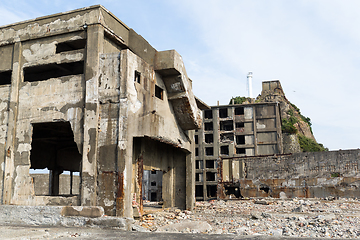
(82, 93)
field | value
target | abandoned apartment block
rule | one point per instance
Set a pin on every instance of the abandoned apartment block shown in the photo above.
(229, 132)
(93, 106)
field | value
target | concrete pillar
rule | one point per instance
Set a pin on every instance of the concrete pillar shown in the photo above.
(94, 47)
(190, 175)
(12, 123)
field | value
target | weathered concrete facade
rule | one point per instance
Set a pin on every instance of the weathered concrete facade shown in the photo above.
(232, 131)
(308, 174)
(82, 92)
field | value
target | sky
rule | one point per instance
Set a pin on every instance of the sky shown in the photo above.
(311, 46)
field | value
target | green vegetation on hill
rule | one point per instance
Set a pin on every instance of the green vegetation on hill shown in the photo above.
(309, 145)
(239, 100)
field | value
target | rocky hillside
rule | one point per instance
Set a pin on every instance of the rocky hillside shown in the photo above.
(296, 128)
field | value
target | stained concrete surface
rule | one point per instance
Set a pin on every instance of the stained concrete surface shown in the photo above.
(96, 233)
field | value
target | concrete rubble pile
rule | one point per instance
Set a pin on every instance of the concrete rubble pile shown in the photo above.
(329, 218)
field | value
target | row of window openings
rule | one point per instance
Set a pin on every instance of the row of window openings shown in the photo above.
(210, 177)
(224, 150)
(211, 191)
(224, 126)
(199, 164)
(209, 138)
(223, 112)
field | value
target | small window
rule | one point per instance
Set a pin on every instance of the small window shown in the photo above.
(239, 111)
(209, 151)
(208, 126)
(239, 125)
(196, 152)
(210, 176)
(199, 191)
(226, 126)
(137, 77)
(5, 77)
(240, 139)
(196, 139)
(224, 150)
(199, 164)
(198, 177)
(240, 151)
(158, 92)
(223, 113)
(210, 163)
(70, 45)
(209, 138)
(153, 183)
(208, 114)
(153, 171)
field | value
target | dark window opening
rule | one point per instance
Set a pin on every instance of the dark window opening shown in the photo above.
(5, 77)
(209, 138)
(153, 183)
(265, 188)
(196, 151)
(226, 137)
(210, 163)
(233, 191)
(223, 113)
(240, 151)
(53, 70)
(239, 125)
(71, 45)
(210, 176)
(153, 171)
(153, 196)
(240, 139)
(239, 111)
(226, 125)
(198, 177)
(208, 126)
(199, 191)
(158, 92)
(209, 151)
(208, 114)
(196, 139)
(137, 77)
(224, 150)
(199, 164)
(211, 191)
(53, 148)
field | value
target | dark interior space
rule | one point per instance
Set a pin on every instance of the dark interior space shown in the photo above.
(223, 113)
(5, 77)
(208, 114)
(70, 45)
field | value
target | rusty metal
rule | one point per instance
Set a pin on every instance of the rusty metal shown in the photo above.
(220, 184)
(120, 195)
(140, 163)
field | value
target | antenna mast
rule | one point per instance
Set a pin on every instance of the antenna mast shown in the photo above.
(249, 84)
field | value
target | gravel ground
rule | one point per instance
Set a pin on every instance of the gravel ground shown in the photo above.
(325, 218)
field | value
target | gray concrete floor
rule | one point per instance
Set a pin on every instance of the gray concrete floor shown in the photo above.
(10, 232)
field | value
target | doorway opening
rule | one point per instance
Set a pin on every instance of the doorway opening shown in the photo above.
(55, 160)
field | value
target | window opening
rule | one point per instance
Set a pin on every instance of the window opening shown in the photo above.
(53, 70)
(199, 164)
(226, 125)
(196, 151)
(199, 177)
(137, 77)
(209, 151)
(211, 191)
(239, 111)
(239, 125)
(208, 114)
(208, 126)
(240, 139)
(199, 191)
(54, 151)
(210, 163)
(210, 176)
(70, 45)
(152, 185)
(224, 150)
(209, 138)
(240, 151)
(226, 137)
(5, 77)
(223, 113)
(196, 139)
(158, 92)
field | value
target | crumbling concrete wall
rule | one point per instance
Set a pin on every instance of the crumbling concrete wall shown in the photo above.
(317, 174)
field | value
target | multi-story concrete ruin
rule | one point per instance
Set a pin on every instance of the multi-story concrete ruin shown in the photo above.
(233, 131)
(83, 93)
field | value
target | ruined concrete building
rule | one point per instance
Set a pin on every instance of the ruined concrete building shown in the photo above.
(82, 93)
(230, 132)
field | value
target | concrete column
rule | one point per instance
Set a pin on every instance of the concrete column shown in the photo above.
(94, 47)
(9, 172)
(278, 129)
(255, 131)
(190, 175)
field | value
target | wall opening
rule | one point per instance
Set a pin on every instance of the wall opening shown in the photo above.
(240, 139)
(210, 163)
(199, 177)
(137, 77)
(152, 185)
(209, 138)
(224, 150)
(199, 164)
(239, 111)
(53, 149)
(239, 125)
(211, 191)
(223, 113)
(240, 151)
(53, 70)
(208, 126)
(5, 77)
(199, 191)
(70, 45)
(209, 151)
(196, 139)
(226, 125)
(226, 137)
(208, 114)
(159, 92)
(210, 176)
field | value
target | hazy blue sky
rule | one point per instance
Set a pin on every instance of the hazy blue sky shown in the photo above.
(311, 46)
